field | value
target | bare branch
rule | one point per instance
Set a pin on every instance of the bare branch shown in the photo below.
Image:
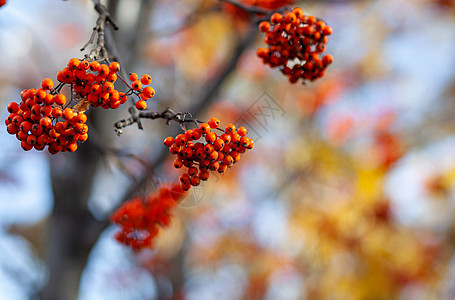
(104, 18)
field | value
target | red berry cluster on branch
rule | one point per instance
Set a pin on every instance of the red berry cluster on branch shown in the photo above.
(141, 217)
(295, 42)
(137, 88)
(44, 117)
(41, 120)
(212, 153)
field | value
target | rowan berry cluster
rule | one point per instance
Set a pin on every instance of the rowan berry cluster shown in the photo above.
(212, 153)
(44, 117)
(41, 120)
(295, 42)
(141, 217)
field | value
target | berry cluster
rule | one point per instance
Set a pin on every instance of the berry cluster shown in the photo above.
(294, 43)
(144, 93)
(212, 153)
(41, 120)
(141, 217)
(44, 117)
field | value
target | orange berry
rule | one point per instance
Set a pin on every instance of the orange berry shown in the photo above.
(12, 129)
(222, 168)
(250, 144)
(205, 128)
(311, 20)
(235, 137)
(25, 126)
(187, 152)
(208, 148)
(327, 60)
(290, 17)
(276, 18)
(46, 110)
(185, 186)
(298, 12)
(204, 174)
(103, 70)
(178, 163)
(184, 178)
(60, 76)
(226, 138)
(114, 67)
(168, 141)
(40, 95)
(111, 77)
(327, 30)
(22, 135)
(81, 118)
(133, 76)
(215, 155)
(210, 137)
(123, 97)
(68, 113)
(196, 134)
(31, 139)
(264, 26)
(146, 79)
(94, 66)
(13, 107)
(195, 181)
(242, 131)
(100, 78)
(137, 85)
(214, 165)
(192, 171)
(83, 137)
(47, 83)
(214, 122)
(230, 128)
(57, 112)
(71, 147)
(218, 144)
(148, 92)
(26, 146)
(60, 99)
(244, 141)
(108, 87)
(73, 63)
(36, 109)
(180, 140)
(200, 153)
(141, 105)
(84, 64)
(45, 121)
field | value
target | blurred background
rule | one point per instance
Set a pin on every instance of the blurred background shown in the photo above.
(348, 194)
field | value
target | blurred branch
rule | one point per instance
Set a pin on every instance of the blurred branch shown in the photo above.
(104, 18)
(248, 8)
(136, 38)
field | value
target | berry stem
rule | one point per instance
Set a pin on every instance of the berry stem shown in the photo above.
(168, 114)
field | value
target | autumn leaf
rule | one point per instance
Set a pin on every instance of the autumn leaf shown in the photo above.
(82, 105)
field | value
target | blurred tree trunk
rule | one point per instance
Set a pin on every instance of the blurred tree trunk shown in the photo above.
(72, 230)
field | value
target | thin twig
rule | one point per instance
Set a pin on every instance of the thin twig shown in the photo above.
(168, 114)
(104, 18)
